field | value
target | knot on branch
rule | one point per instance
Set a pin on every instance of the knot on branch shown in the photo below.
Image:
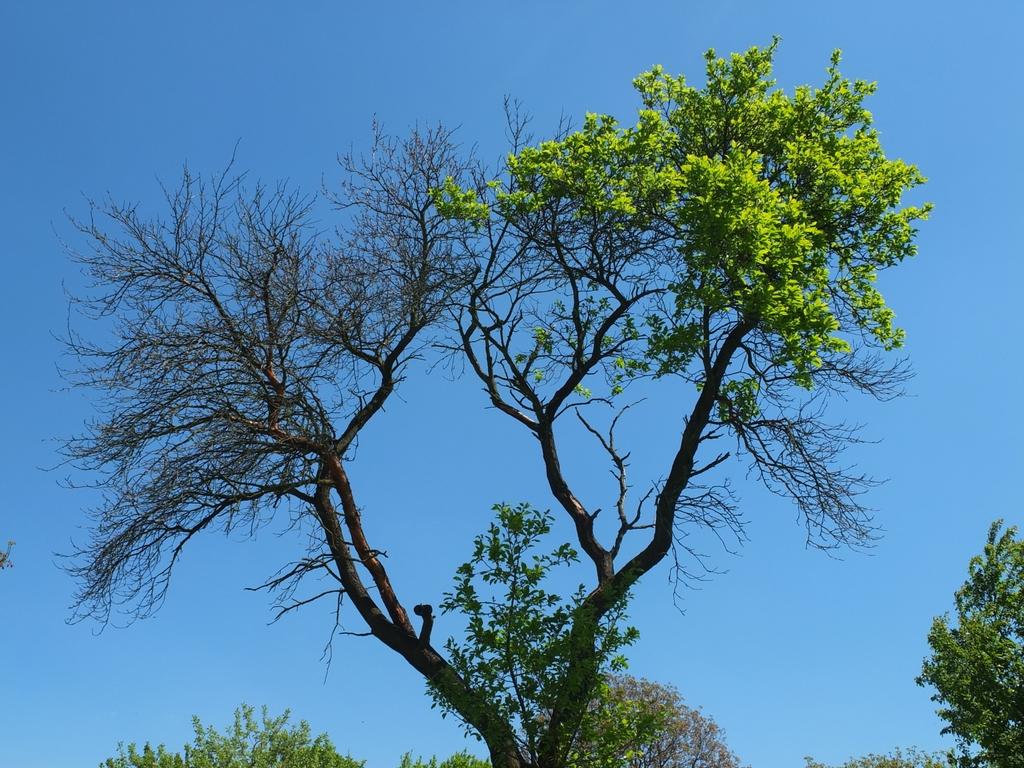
(426, 612)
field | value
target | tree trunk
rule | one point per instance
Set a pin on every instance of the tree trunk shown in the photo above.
(507, 756)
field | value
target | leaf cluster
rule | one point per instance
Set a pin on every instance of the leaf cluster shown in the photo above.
(642, 724)
(977, 660)
(779, 207)
(458, 760)
(266, 742)
(518, 644)
(898, 758)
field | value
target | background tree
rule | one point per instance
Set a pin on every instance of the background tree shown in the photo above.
(728, 244)
(977, 663)
(517, 647)
(674, 736)
(248, 743)
(458, 760)
(899, 758)
(5, 556)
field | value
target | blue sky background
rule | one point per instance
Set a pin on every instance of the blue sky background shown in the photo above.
(794, 653)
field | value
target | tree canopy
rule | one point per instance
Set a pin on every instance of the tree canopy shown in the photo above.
(725, 246)
(977, 660)
(458, 760)
(266, 742)
(898, 758)
(663, 731)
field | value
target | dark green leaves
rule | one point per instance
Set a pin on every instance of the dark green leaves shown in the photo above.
(518, 643)
(977, 663)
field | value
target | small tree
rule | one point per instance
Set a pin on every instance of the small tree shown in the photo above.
(458, 760)
(5, 556)
(248, 743)
(977, 663)
(518, 647)
(666, 732)
(899, 758)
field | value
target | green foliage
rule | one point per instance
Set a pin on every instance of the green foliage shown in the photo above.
(977, 664)
(457, 203)
(642, 724)
(614, 731)
(518, 642)
(900, 758)
(131, 757)
(778, 208)
(248, 743)
(458, 760)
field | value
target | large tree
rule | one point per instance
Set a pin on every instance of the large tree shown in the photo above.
(977, 662)
(725, 247)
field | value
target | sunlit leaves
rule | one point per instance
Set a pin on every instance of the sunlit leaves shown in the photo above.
(457, 203)
(610, 170)
(778, 208)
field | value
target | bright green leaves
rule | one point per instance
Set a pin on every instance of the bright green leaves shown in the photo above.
(457, 203)
(734, 204)
(752, 250)
(788, 207)
(846, 183)
(518, 645)
(977, 665)
(605, 170)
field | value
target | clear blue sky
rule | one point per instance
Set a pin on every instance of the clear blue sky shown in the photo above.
(794, 653)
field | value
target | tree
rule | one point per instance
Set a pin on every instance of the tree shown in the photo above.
(518, 648)
(678, 736)
(636, 723)
(725, 247)
(977, 664)
(900, 758)
(458, 760)
(5, 556)
(248, 743)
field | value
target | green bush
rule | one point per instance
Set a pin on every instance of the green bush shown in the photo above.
(248, 743)
(900, 758)
(458, 760)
